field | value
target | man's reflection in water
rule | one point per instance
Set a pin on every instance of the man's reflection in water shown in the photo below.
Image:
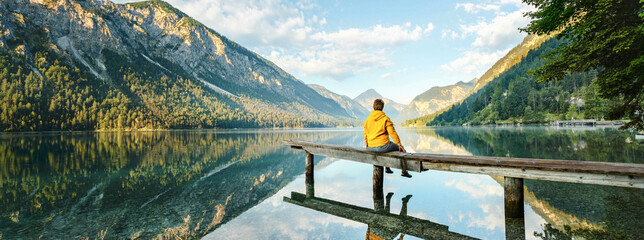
(377, 233)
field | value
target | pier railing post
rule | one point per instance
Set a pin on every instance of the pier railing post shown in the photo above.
(513, 197)
(310, 189)
(377, 182)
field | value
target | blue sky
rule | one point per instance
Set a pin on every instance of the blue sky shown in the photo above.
(398, 48)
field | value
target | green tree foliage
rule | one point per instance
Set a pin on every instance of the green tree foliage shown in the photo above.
(55, 96)
(606, 34)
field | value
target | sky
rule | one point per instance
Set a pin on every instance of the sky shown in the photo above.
(399, 48)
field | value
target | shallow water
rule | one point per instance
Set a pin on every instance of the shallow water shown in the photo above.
(231, 185)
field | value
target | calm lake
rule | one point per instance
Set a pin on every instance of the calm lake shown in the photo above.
(231, 184)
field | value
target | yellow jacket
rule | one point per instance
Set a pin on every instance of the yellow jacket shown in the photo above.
(377, 129)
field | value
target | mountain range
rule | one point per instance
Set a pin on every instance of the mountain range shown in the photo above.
(97, 65)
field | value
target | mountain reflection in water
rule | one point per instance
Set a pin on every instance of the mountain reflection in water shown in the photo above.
(230, 184)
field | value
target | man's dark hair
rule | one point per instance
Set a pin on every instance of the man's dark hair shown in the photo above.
(378, 104)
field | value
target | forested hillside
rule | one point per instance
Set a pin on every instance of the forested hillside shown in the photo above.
(515, 97)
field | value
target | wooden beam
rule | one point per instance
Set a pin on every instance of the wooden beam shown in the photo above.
(603, 173)
(393, 222)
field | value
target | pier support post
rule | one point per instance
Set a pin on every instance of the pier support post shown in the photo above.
(377, 182)
(310, 189)
(513, 197)
(514, 228)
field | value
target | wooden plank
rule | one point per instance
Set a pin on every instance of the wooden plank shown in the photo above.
(393, 222)
(540, 164)
(574, 177)
(603, 173)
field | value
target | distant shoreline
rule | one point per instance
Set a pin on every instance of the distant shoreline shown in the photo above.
(172, 130)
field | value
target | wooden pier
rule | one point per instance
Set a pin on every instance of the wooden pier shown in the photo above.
(514, 170)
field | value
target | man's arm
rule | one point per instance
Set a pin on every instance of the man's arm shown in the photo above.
(394, 135)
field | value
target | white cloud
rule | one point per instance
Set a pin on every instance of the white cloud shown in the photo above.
(429, 28)
(499, 33)
(475, 8)
(306, 4)
(341, 54)
(374, 36)
(391, 74)
(474, 62)
(449, 34)
(335, 63)
(517, 3)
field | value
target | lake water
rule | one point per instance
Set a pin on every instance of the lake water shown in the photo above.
(231, 184)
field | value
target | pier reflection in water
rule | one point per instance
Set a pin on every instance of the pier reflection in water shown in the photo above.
(381, 224)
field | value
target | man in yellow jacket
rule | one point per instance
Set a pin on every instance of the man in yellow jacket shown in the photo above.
(377, 129)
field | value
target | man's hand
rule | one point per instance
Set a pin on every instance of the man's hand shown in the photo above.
(402, 149)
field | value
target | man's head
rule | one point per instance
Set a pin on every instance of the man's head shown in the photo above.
(378, 104)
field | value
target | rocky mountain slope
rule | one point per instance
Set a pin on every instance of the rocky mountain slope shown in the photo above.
(163, 64)
(434, 99)
(392, 108)
(353, 108)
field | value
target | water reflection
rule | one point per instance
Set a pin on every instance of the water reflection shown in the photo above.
(140, 185)
(187, 184)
